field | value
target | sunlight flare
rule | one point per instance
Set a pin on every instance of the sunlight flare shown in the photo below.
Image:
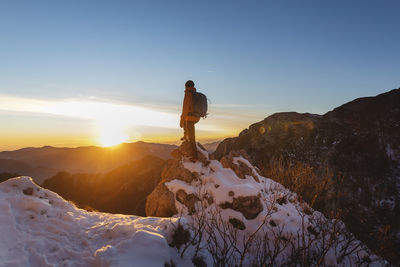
(112, 134)
(112, 137)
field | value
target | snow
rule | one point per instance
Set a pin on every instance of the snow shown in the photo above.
(43, 229)
(218, 182)
(290, 215)
(39, 228)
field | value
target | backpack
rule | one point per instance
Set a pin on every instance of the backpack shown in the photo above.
(199, 105)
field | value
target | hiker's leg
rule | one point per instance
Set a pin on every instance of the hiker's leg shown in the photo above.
(192, 139)
(185, 131)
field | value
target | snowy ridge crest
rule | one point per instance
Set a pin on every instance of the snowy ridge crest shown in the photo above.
(228, 202)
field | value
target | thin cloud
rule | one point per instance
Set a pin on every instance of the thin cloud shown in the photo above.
(223, 118)
(91, 110)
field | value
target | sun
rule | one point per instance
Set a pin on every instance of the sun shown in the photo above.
(112, 135)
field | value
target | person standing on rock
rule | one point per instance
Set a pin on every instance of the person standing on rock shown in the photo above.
(189, 119)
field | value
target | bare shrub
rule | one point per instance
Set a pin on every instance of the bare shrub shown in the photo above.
(180, 236)
(320, 189)
(270, 244)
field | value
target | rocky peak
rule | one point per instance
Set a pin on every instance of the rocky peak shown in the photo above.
(358, 141)
(162, 201)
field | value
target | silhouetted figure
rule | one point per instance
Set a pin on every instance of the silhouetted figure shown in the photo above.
(188, 119)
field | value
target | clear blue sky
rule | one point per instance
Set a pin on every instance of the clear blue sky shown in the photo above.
(258, 57)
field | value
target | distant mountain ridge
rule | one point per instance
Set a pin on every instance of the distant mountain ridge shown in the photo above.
(359, 141)
(44, 162)
(122, 190)
(16, 166)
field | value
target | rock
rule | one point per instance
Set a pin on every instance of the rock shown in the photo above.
(249, 206)
(189, 200)
(231, 193)
(240, 169)
(181, 196)
(238, 224)
(28, 191)
(176, 154)
(161, 202)
(281, 200)
(186, 150)
(174, 169)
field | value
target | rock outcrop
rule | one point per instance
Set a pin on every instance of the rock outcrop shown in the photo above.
(161, 202)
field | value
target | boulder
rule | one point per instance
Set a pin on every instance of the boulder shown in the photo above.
(161, 202)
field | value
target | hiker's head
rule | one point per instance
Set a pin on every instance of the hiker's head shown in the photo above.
(189, 84)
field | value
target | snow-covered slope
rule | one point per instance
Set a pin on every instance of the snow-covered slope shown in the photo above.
(222, 213)
(239, 215)
(39, 228)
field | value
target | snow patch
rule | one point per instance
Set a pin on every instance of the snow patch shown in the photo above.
(39, 228)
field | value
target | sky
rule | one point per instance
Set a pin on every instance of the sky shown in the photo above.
(76, 72)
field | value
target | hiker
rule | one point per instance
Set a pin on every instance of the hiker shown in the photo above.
(188, 119)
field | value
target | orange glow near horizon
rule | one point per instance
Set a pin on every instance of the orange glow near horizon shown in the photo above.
(112, 134)
(90, 122)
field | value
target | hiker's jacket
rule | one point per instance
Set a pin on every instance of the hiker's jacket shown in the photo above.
(188, 107)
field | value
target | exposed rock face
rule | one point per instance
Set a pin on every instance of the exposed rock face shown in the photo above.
(249, 206)
(359, 140)
(161, 203)
(185, 149)
(238, 224)
(239, 167)
(174, 170)
(189, 200)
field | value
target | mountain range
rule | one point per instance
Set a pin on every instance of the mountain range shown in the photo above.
(44, 162)
(122, 190)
